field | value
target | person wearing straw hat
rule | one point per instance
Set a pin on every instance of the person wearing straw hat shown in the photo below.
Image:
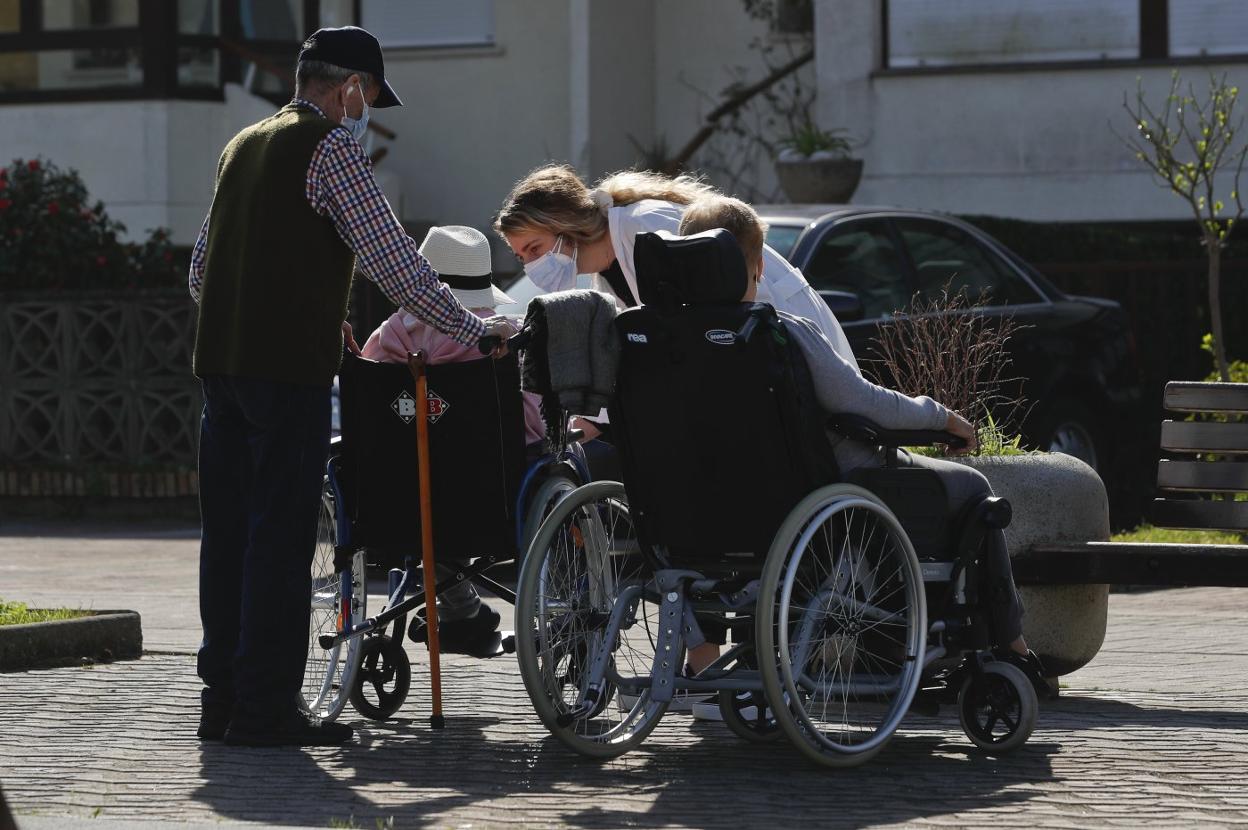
(461, 256)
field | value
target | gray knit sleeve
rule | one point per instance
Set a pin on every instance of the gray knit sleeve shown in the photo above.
(841, 390)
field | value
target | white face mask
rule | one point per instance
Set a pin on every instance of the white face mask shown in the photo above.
(357, 126)
(553, 270)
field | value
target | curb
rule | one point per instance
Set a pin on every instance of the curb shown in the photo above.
(101, 636)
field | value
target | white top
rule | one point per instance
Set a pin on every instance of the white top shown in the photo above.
(782, 286)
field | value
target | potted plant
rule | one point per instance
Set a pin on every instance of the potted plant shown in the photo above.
(815, 166)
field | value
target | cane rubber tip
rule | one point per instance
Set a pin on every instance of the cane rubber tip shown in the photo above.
(437, 721)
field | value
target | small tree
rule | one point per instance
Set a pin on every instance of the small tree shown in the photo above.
(948, 348)
(1186, 145)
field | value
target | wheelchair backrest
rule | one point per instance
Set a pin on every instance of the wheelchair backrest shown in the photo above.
(476, 454)
(711, 413)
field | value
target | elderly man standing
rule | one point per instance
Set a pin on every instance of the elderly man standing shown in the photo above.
(296, 210)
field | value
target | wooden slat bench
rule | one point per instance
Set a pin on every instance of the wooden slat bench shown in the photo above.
(1129, 563)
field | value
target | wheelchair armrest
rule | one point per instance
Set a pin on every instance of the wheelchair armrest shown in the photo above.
(864, 429)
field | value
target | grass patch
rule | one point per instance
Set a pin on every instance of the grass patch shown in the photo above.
(1165, 535)
(17, 613)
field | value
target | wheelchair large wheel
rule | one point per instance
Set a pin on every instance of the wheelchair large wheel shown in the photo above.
(547, 495)
(842, 614)
(998, 708)
(583, 557)
(329, 675)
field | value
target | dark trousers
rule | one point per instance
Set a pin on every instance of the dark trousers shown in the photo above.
(262, 453)
(998, 593)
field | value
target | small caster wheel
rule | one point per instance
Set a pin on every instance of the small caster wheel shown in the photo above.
(998, 708)
(749, 716)
(383, 679)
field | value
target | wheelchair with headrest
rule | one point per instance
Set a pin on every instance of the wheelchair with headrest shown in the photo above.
(732, 510)
(487, 502)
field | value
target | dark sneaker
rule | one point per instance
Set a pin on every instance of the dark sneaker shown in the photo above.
(214, 719)
(296, 728)
(477, 636)
(1033, 668)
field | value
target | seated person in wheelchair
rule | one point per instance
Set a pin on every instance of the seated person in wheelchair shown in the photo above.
(842, 390)
(461, 256)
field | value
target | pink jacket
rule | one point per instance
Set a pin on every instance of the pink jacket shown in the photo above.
(403, 333)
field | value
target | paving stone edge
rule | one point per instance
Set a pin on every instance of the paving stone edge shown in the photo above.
(100, 636)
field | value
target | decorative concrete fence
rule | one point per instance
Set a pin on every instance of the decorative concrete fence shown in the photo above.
(96, 394)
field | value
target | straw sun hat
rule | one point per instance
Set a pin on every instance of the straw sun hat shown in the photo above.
(461, 256)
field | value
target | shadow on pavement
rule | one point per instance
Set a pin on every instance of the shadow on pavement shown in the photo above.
(715, 780)
(1097, 710)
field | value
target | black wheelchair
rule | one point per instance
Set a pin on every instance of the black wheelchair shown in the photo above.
(487, 502)
(726, 515)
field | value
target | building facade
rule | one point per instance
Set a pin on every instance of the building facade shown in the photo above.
(971, 106)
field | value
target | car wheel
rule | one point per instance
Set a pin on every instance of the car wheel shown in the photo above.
(1068, 427)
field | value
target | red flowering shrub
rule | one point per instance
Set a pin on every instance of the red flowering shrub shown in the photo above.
(52, 236)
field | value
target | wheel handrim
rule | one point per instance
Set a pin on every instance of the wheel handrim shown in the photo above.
(858, 625)
(582, 558)
(327, 673)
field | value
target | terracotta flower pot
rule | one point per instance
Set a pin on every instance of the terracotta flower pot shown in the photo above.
(816, 179)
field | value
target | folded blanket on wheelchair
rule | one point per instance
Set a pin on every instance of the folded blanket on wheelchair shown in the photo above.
(573, 354)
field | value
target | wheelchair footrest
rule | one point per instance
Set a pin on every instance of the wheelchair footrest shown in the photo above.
(494, 644)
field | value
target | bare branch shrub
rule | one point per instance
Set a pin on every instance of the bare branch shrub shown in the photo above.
(947, 348)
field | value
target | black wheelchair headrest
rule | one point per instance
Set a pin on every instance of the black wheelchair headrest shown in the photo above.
(701, 269)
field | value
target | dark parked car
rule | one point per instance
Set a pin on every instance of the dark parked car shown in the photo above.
(1076, 354)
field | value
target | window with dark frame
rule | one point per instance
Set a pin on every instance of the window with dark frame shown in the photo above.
(967, 34)
(71, 50)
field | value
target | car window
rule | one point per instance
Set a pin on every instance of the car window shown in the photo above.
(783, 237)
(945, 255)
(860, 257)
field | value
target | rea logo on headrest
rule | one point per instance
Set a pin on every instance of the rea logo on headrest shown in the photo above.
(637, 338)
(721, 337)
(405, 407)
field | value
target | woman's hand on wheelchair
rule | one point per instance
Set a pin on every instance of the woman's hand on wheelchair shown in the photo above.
(960, 427)
(348, 339)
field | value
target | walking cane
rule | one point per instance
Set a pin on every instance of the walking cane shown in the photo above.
(416, 363)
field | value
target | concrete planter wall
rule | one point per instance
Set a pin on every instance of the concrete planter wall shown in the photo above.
(100, 636)
(1055, 498)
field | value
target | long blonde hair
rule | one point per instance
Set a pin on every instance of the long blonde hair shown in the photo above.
(554, 198)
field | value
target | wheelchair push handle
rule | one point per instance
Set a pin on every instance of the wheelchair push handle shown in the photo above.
(516, 342)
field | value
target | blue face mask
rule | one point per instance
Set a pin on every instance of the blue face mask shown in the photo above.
(357, 126)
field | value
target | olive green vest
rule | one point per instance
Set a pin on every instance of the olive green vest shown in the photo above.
(276, 274)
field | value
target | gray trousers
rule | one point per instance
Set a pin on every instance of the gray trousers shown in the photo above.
(998, 593)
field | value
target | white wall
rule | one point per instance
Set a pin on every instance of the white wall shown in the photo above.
(1034, 144)
(475, 120)
(151, 162)
(700, 47)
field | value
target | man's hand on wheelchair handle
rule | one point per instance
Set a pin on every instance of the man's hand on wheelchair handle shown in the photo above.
(962, 428)
(502, 328)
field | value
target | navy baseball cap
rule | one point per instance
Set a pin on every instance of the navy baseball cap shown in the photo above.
(351, 48)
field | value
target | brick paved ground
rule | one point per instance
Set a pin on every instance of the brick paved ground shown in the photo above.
(1155, 731)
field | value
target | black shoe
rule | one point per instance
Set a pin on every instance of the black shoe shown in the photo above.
(476, 636)
(295, 728)
(214, 719)
(1032, 667)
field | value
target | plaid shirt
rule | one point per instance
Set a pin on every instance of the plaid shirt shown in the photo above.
(341, 186)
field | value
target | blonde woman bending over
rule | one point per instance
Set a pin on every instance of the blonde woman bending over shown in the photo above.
(559, 227)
